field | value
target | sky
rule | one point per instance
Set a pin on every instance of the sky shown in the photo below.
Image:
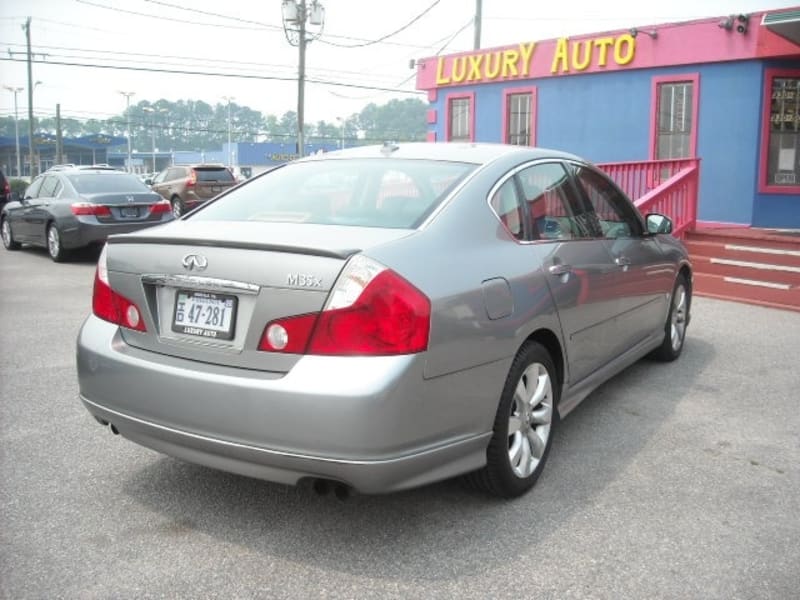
(246, 37)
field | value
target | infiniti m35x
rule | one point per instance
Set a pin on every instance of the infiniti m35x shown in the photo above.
(382, 317)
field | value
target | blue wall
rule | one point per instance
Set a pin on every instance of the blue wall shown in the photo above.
(605, 117)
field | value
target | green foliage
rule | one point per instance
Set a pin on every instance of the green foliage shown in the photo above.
(17, 185)
(197, 125)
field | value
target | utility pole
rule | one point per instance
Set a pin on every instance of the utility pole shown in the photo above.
(301, 82)
(128, 115)
(15, 91)
(27, 28)
(59, 137)
(230, 151)
(295, 15)
(478, 18)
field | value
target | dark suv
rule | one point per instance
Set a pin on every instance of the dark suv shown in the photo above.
(5, 190)
(186, 186)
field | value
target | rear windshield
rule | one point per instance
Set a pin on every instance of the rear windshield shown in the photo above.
(213, 175)
(370, 192)
(106, 183)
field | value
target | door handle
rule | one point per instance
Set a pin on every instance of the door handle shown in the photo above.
(559, 269)
(622, 261)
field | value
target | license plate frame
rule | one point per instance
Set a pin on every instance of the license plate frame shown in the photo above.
(197, 319)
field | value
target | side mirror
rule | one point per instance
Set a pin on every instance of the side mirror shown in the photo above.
(148, 181)
(657, 223)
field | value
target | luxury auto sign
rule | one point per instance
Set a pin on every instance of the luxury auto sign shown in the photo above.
(568, 56)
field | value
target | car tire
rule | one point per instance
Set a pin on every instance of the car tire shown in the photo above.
(177, 207)
(55, 248)
(523, 426)
(8, 237)
(677, 320)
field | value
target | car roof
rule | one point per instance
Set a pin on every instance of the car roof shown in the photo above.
(448, 151)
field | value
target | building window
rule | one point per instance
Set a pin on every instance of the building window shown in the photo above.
(781, 139)
(674, 117)
(518, 117)
(674, 120)
(460, 122)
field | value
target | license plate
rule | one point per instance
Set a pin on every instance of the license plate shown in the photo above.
(204, 314)
(130, 211)
(216, 188)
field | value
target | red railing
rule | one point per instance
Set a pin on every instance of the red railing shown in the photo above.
(668, 187)
(638, 178)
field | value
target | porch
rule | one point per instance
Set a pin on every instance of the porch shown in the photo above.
(742, 264)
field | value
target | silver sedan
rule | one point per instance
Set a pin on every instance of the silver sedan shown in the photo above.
(381, 318)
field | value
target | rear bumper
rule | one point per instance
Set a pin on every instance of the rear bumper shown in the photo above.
(373, 424)
(89, 230)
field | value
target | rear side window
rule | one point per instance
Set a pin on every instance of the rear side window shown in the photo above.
(48, 189)
(505, 203)
(381, 192)
(107, 183)
(214, 175)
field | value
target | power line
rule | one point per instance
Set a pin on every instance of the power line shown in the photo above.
(212, 74)
(88, 55)
(150, 15)
(271, 26)
(385, 37)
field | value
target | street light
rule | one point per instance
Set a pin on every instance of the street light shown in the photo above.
(128, 113)
(296, 13)
(230, 150)
(153, 111)
(15, 91)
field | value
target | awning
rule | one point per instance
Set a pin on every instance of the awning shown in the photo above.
(785, 24)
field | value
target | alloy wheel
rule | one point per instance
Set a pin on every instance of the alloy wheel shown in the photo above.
(530, 421)
(6, 232)
(678, 321)
(53, 241)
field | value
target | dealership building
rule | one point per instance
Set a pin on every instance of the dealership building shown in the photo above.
(724, 91)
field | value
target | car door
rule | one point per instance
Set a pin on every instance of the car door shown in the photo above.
(580, 272)
(20, 228)
(643, 279)
(37, 211)
(159, 184)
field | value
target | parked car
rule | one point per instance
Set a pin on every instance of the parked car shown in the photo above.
(70, 208)
(382, 318)
(188, 186)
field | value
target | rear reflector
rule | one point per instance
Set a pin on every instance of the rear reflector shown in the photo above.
(111, 306)
(87, 208)
(372, 311)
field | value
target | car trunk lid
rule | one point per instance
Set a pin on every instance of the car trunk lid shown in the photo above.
(207, 290)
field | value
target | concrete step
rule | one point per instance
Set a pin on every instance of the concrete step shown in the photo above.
(747, 269)
(764, 293)
(749, 252)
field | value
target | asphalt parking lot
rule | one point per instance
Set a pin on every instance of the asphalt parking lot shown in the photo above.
(670, 481)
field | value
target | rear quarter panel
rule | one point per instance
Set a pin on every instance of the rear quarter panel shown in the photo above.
(450, 260)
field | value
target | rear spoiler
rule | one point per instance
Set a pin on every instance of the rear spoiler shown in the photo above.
(343, 253)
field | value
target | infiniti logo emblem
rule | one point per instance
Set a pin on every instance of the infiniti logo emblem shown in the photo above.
(195, 262)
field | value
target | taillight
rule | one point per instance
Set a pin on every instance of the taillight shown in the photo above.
(6, 187)
(372, 311)
(87, 208)
(160, 207)
(111, 306)
(192, 179)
